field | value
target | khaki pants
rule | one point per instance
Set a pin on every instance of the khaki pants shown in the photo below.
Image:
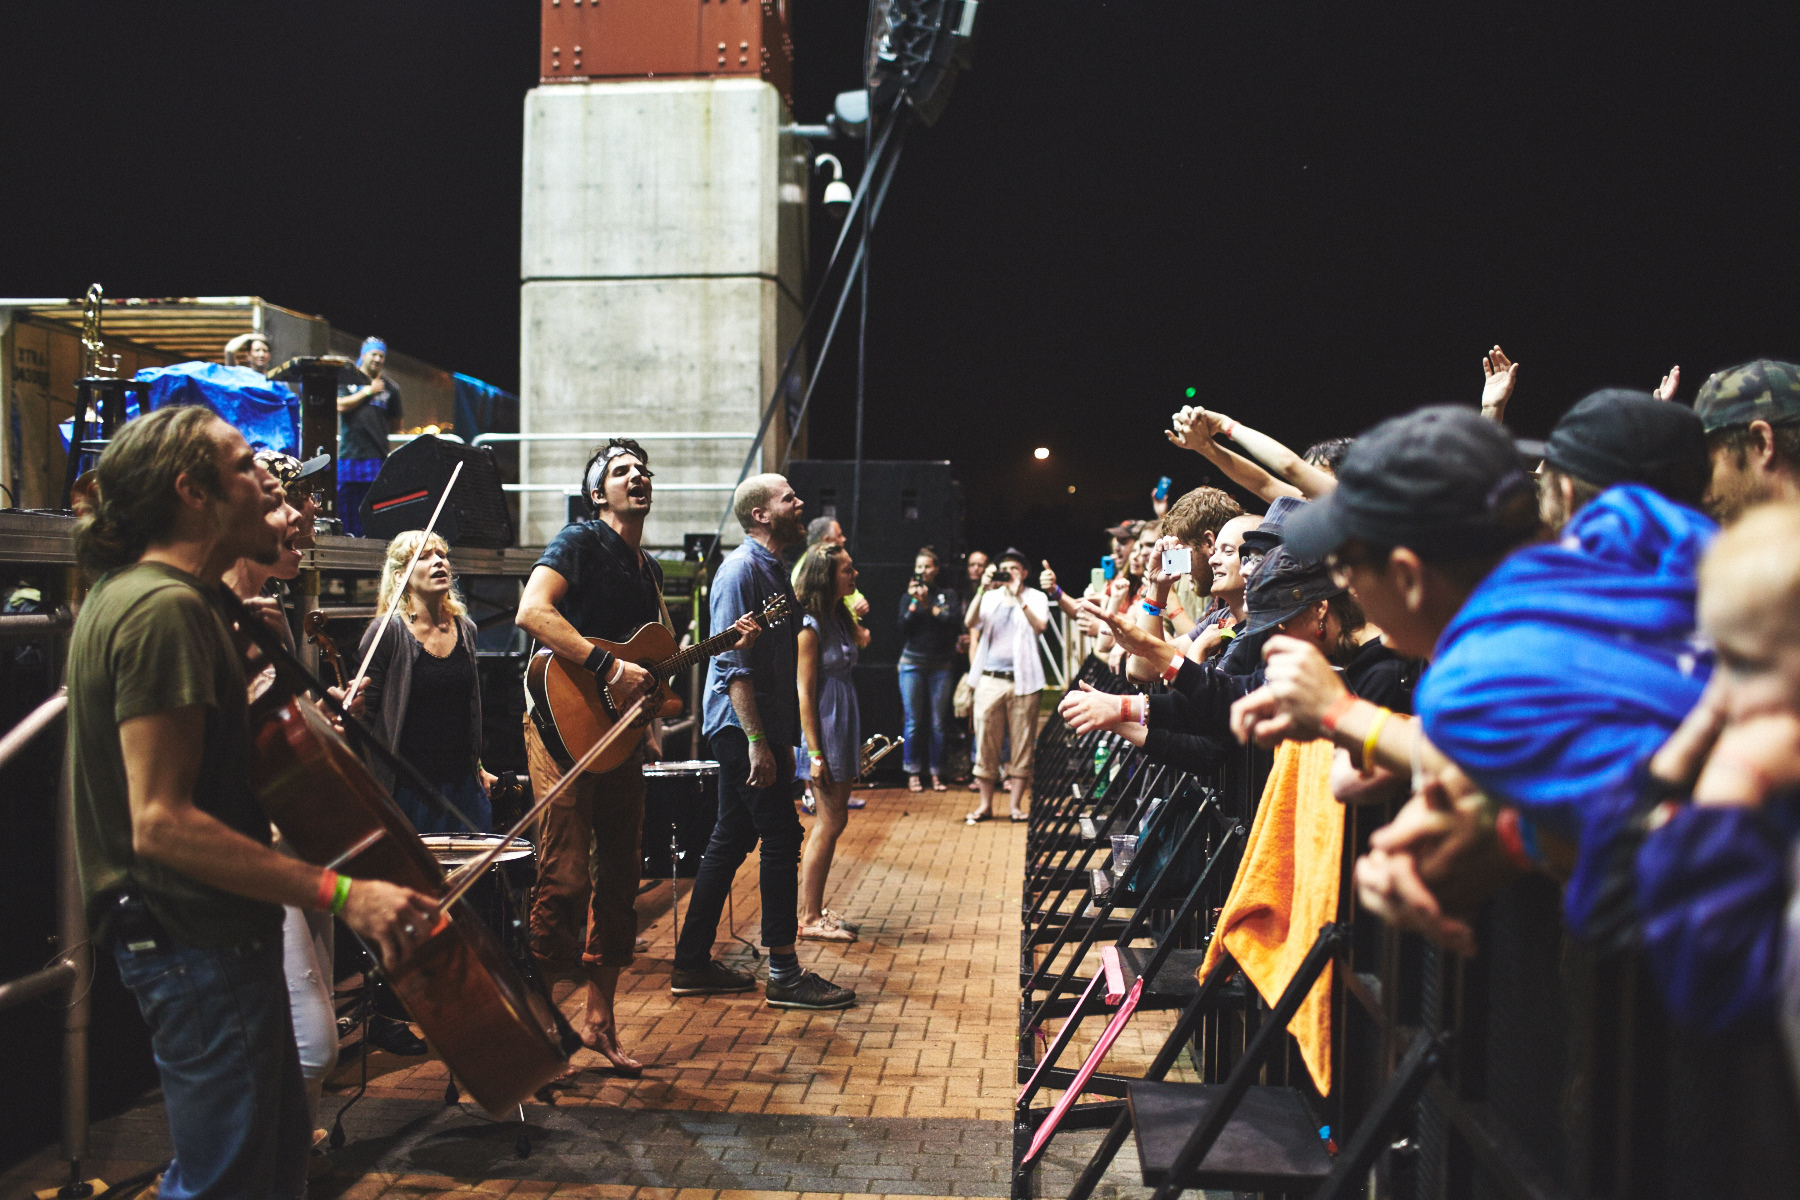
(999, 712)
(589, 856)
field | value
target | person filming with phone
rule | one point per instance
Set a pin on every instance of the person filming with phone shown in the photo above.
(1008, 672)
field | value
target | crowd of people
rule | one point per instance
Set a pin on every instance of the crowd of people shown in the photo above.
(1578, 658)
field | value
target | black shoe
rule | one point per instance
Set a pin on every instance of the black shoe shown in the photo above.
(713, 979)
(395, 1037)
(812, 992)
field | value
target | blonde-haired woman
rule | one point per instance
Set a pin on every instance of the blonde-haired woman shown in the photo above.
(422, 694)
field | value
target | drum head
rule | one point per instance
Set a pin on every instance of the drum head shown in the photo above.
(459, 849)
(692, 766)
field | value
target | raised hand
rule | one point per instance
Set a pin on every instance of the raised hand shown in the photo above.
(1047, 578)
(1501, 374)
(1126, 634)
(1086, 709)
(1670, 382)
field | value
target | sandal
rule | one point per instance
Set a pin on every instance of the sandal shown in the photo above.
(838, 917)
(808, 805)
(1018, 818)
(976, 818)
(856, 802)
(913, 784)
(937, 785)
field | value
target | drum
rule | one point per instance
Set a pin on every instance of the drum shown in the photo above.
(681, 802)
(502, 897)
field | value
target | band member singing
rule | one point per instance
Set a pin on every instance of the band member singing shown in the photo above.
(175, 864)
(422, 694)
(594, 580)
(308, 943)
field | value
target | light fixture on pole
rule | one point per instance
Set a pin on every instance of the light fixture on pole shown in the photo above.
(837, 192)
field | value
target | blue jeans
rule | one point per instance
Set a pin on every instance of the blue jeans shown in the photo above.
(224, 1046)
(925, 691)
(746, 815)
(427, 817)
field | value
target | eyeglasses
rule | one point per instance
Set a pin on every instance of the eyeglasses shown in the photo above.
(1342, 566)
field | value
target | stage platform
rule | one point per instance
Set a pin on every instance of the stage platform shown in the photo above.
(909, 1093)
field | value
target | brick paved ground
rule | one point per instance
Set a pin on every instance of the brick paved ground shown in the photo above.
(908, 1093)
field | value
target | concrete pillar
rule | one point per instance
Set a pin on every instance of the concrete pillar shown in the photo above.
(663, 229)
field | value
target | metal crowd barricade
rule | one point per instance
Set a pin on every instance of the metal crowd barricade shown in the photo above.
(73, 970)
(1410, 1114)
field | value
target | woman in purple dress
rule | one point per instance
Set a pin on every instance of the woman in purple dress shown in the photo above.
(830, 725)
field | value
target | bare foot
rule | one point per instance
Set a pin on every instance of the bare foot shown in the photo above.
(604, 1041)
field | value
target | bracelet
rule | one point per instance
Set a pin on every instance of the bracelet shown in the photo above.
(753, 738)
(1150, 610)
(340, 897)
(328, 882)
(1172, 670)
(598, 660)
(1374, 737)
(1173, 611)
(1229, 429)
(1334, 712)
(1056, 591)
(612, 676)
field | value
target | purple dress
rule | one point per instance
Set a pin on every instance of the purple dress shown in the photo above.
(840, 723)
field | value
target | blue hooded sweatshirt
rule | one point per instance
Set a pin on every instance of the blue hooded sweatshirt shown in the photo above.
(1569, 665)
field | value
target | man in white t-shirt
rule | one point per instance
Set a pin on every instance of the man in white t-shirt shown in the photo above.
(1009, 676)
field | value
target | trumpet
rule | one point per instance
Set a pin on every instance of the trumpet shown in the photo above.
(874, 750)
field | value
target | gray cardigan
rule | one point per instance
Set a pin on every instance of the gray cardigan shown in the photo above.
(388, 687)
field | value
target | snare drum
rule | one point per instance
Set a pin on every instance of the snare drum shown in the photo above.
(681, 801)
(502, 896)
(453, 850)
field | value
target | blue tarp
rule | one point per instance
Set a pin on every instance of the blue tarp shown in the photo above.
(1570, 664)
(267, 414)
(483, 408)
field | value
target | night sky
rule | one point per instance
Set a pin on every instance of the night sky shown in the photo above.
(1315, 214)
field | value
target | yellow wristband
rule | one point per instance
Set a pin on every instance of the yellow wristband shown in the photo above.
(1374, 736)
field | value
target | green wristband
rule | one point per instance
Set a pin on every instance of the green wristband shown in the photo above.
(754, 737)
(341, 896)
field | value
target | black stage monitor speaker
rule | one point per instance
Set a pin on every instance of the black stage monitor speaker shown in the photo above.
(412, 481)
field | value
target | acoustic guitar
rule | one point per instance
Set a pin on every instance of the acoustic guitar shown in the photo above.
(572, 711)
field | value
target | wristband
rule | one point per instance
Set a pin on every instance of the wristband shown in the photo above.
(1173, 611)
(1511, 828)
(753, 738)
(598, 660)
(1172, 670)
(1056, 591)
(618, 669)
(1229, 429)
(1334, 712)
(328, 882)
(341, 896)
(1374, 737)
(1150, 610)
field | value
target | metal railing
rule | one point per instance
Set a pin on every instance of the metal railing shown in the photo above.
(73, 970)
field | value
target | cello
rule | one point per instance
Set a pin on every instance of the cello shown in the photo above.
(496, 1034)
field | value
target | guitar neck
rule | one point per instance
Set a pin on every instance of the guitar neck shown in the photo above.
(699, 652)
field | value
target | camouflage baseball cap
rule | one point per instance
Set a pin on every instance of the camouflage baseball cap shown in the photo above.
(1764, 390)
(287, 469)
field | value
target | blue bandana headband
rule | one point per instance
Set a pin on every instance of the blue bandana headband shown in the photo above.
(374, 344)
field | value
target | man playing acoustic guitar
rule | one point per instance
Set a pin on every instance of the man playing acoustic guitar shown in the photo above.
(594, 580)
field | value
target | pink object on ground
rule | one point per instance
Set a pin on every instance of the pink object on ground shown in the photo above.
(1113, 1029)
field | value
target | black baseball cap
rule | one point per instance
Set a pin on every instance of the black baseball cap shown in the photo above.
(1012, 555)
(1620, 436)
(1284, 587)
(1434, 481)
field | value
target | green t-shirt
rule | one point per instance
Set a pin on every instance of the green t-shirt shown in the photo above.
(150, 638)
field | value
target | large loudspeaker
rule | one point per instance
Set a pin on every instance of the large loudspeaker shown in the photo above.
(412, 481)
(905, 505)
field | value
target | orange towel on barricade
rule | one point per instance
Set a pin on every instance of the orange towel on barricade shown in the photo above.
(1286, 888)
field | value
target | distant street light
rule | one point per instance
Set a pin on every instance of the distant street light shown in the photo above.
(1041, 453)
